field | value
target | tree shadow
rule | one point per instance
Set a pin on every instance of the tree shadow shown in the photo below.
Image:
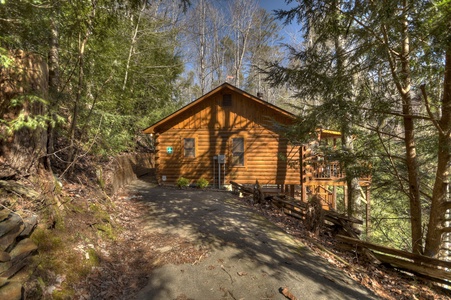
(237, 239)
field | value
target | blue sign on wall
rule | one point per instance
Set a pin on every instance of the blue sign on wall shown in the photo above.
(169, 150)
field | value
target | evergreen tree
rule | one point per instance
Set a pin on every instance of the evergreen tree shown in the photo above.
(387, 51)
(112, 68)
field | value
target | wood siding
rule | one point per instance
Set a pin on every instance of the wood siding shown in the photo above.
(213, 127)
(264, 157)
(243, 114)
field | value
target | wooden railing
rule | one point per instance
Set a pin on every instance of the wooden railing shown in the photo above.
(327, 197)
(324, 170)
(429, 268)
(330, 170)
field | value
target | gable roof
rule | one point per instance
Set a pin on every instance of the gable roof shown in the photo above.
(224, 86)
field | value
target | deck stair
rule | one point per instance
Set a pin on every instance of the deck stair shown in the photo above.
(326, 196)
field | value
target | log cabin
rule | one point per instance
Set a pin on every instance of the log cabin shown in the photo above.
(230, 135)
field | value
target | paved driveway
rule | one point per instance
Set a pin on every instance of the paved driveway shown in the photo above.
(248, 257)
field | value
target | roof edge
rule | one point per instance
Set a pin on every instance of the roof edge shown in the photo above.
(150, 129)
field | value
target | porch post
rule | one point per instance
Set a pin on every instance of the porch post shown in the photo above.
(334, 197)
(292, 190)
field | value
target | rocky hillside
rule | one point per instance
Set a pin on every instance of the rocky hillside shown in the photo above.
(93, 247)
(47, 237)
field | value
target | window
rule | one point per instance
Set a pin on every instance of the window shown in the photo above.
(226, 100)
(190, 148)
(238, 151)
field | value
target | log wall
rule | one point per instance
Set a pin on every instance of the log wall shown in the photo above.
(263, 157)
(213, 125)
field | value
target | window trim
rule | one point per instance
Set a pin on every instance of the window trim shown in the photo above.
(194, 147)
(232, 153)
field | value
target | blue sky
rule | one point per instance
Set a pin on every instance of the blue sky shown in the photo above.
(290, 32)
(273, 4)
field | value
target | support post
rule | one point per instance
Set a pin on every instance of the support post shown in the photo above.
(301, 174)
(303, 193)
(345, 200)
(368, 212)
(334, 196)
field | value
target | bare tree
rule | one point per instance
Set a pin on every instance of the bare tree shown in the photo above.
(243, 16)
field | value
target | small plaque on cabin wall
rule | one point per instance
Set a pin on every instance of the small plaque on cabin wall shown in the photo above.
(169, 150)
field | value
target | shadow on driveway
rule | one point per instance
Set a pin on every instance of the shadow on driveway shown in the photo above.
(248, 257)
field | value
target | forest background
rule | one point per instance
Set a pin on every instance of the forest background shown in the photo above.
(378, 72)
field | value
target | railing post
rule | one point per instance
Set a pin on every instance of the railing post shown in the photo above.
(368, 213)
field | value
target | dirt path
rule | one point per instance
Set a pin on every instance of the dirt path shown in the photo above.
(238, 254)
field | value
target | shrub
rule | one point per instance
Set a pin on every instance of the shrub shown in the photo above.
(202, 183)
(182, 182)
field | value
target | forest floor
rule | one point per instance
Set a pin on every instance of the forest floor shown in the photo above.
(118, 261)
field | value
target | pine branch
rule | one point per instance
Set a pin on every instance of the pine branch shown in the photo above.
(428, 108)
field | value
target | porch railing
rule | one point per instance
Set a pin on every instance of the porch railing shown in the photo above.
(324, 170)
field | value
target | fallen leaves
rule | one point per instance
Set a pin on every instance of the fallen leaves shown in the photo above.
(387, 283)
(126, 263)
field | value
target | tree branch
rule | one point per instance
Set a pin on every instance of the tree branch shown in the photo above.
(397, 175)
(10, 20)
(446, 230)
(376, 129)
(400, 114)
(428, 109)
(446, 205)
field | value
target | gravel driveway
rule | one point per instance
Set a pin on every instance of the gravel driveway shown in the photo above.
(247, 257)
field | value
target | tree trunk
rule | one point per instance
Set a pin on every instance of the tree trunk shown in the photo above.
(203, 48)
(53, 61)
(436, 226)
(402, 80)
(344, 94)
(54, 81)
(23, 152)
(354, 208)
(409, 140)
(414, 182)
(132, 46)
(73, 125)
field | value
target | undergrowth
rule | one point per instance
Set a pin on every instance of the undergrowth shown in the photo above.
(67, 238)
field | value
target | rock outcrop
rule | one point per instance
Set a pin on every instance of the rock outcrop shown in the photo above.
(16, 249)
